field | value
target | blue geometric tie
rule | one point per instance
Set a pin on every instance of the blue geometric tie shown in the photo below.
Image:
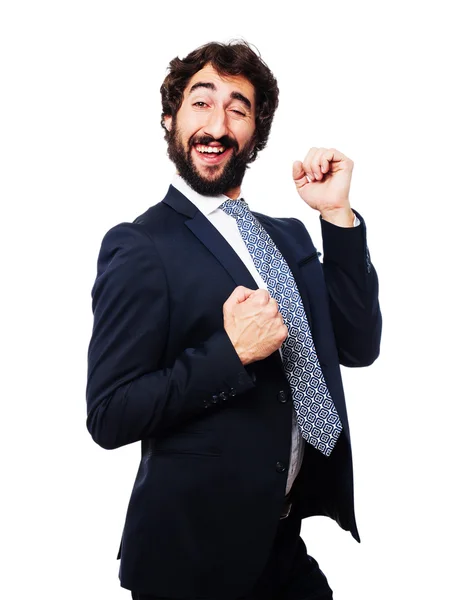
(317, 417)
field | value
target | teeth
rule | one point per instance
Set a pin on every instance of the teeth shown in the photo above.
(210, 149)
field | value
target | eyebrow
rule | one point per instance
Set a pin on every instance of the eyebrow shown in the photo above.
(211, 86)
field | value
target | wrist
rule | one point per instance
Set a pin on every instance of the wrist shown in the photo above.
(238, 350)
(244, 359)
(342, 217)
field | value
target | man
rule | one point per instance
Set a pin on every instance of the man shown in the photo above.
(217, 340)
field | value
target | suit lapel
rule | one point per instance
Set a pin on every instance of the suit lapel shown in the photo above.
(208, 235)
(222, 250)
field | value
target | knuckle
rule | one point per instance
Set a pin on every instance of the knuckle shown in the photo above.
(272, 307)
(264, 296)
(283, 333)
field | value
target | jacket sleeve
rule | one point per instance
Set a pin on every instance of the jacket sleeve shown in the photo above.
(352, 285)
(131, 394)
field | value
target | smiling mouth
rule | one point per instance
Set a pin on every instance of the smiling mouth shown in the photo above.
(211, 154)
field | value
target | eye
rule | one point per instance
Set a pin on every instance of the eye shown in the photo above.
(238, 112)
(200, 104)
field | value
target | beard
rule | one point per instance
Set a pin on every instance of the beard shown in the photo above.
(231, 174)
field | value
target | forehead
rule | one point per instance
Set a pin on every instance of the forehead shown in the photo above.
(225, 84)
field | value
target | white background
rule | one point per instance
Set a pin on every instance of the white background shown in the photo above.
(82, 149)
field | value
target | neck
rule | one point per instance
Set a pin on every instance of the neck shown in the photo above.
(233, 193)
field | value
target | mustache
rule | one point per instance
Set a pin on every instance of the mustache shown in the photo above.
(225, 141)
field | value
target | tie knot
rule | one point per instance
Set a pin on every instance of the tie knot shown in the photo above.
(235, 208)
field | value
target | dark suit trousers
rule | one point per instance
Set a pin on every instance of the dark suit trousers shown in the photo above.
(290, 573)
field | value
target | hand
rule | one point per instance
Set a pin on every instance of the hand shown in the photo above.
(323, 181)
(253, 323)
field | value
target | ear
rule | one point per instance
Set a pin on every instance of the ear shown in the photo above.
(253, 145)
(167, 122)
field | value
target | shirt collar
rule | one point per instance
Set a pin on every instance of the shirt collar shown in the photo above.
(206, 204)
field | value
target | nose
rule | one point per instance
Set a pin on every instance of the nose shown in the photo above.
(217, 124)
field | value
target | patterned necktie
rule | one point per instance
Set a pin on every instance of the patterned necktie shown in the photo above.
(317, 417)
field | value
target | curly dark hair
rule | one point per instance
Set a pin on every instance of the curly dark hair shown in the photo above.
(234, 58)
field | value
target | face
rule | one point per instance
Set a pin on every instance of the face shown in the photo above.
(212, 136)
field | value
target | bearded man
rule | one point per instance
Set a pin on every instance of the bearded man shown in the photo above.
(217, 342)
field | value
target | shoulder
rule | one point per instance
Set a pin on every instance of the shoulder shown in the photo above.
(158, 219)
(141, 231)
(127, 252)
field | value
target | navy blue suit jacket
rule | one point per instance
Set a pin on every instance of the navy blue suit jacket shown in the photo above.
(216, 435)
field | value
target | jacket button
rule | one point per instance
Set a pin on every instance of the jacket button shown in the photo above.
(282, 397)
(223, 396)
(214, 399)
(242, 377)
(280, 467)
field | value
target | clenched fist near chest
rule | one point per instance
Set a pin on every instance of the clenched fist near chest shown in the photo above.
(253, 323)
